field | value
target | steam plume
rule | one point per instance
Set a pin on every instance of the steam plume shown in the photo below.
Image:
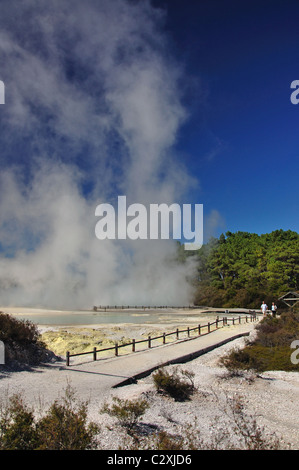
(93, 109)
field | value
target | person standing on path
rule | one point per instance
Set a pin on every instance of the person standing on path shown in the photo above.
(264, 308)
(273, 309)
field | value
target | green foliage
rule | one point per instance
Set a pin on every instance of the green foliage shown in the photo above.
(165, 441)
(173, 384)
(128, 412)
(64, 427)
(242, 269)
(271, 348)
(19, 331)
(23, 344)
(243, 359)
(17, 426)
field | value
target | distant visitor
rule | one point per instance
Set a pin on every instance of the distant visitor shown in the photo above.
(264, 308)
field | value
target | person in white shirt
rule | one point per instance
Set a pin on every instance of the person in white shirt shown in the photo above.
(264, 308)
(273, 309)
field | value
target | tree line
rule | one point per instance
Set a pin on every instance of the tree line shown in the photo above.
(242, 269)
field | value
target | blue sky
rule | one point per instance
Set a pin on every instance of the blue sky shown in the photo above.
(236, 62)
(242, 136)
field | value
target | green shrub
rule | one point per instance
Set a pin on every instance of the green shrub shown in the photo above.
(165, 441)
(173, 384)
(17, 426)
(242, 359)
(128, 412)
(64, 426)
(16, 330)
(22, 342)
(271, 348)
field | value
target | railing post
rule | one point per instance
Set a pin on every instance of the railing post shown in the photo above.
(116, 349)
(198, 330)
(67, 358)
(177, 333)
(94, 353)
(164, 338)
(149, 342)
(188, 331)
(217, 319)
(233, 320)
(239, 319)
(209, 328)
(133, 345)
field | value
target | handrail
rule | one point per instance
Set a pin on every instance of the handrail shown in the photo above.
(149, 340)
(105, 308)
(142, 307)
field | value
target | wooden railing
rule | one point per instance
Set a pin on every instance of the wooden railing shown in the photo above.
(104, 308)
(101, 308)
(177, 332)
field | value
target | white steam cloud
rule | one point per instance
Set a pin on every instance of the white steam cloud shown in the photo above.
(93, 108)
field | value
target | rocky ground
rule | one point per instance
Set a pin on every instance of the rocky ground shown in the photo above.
(223, 412)
(267, 402)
